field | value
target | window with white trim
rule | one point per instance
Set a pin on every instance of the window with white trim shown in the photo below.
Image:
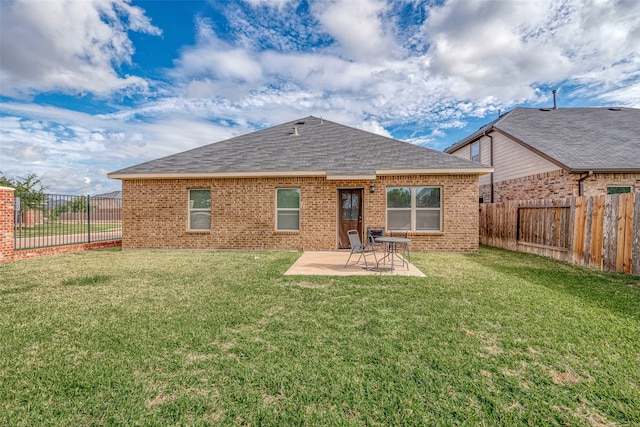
(287, 209)
(475, 151)
(199, 209)
(618, 189)
(414, 208)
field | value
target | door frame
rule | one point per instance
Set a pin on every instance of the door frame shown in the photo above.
(339, 208)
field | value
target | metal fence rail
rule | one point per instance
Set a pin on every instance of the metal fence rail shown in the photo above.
(43, 220)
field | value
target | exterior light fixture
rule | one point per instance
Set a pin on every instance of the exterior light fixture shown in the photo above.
(372, 187)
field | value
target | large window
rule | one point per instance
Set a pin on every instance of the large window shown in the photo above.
(199, 209)
(414, 208)
(475, 151)
(288, 209)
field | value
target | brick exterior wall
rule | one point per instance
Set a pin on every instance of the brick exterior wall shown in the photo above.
(243, 213)
(7, 252)
(6, 223)
(557, 184)
(598, 183)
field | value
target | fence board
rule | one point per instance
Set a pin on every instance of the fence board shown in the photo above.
(587, 232)
(570, 227)
(597, 232)
(635, 257)
(578, 230)
(625, 230)
(610, 233)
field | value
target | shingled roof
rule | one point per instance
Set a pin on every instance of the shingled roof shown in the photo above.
(304, 147)
(577, 139)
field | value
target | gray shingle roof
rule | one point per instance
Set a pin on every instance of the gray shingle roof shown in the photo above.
(580, 139)
(320, 146)
(111, 195)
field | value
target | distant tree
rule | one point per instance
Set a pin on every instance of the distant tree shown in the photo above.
(78, 204)
(4, 181)
(75, 205)
(29, 189)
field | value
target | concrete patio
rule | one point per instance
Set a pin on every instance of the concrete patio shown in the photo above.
(332, 264)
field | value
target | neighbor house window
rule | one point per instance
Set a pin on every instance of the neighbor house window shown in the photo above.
(199, 209)
(475, 151)
(414, 208)
(618, 189)
(288, 209)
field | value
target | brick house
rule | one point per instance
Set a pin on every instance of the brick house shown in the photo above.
(552, 153)
(300, 185)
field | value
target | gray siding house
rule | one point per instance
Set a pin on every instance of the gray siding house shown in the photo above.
(540, 153)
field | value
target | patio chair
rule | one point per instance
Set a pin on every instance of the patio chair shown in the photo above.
(357, 247)
(372, 233)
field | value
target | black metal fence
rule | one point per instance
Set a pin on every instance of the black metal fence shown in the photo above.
(43, 220)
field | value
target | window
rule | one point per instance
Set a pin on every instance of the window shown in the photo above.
(414, 208)
(288, 209)
(619, 189)
(350, 206)
(475, 151)
(199, 209)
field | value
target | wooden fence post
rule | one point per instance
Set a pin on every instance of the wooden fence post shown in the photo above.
(610, 232)
(635, 257)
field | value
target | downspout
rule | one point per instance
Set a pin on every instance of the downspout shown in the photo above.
(491, 147)
(581, 183)
(491, 160)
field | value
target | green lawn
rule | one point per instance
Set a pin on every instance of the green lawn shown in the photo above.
(61, 229)
(199, 338)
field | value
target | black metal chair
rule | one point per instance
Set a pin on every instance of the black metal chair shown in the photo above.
(357, 247)
(372, 233)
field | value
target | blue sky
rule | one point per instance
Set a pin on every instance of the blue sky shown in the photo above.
(89, 87)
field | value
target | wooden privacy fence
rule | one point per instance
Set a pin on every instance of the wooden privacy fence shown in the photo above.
(597, 231)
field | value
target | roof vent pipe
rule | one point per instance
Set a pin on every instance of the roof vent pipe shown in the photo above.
(295, 131)
(555, 103)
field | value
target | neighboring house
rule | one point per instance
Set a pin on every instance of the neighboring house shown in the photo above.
(112, 200)
(300, 185)
(540, 153)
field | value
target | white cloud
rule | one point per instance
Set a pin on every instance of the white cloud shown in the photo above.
(212, 58)
(68, 45)
(278, 4)
(359, 26)
(505, 48)
(375, 127)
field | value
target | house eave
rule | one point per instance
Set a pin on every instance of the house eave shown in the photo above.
(604, 170)
(316, 173)
(344, 177)
(192, 175)
(441, 171)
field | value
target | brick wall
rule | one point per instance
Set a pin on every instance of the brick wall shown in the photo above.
(597, 184)
(557, 184)
(155, 214)
(6, 223)
(7, 252)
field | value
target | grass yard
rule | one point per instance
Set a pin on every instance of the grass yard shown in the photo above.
(62, 228)
(199, 338)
